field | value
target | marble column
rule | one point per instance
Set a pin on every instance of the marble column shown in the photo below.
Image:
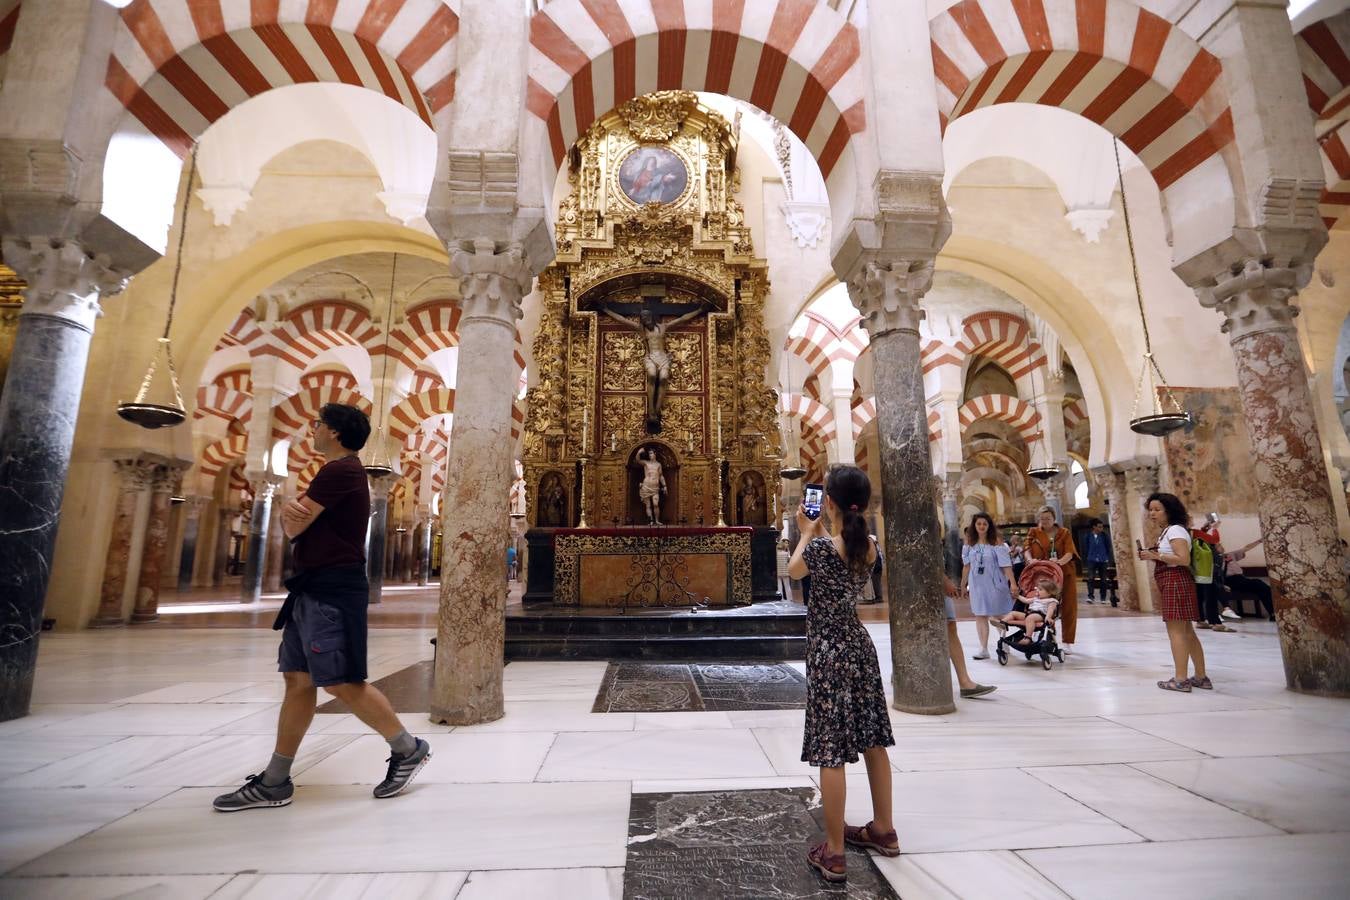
(135, 476)
(1052, 491)
(1141, 480)
(274, 559)
(255, 552)
(1111, 485)
(950, 487)
(377, 535)
(222, 556)
(1298, 519)
(192, 527)
(471, 631)
(155, 545)
(406, 555)
(422, 541)
(37, 425)
(887, 295)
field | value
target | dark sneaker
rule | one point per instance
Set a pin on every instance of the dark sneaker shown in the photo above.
(402, 770)
(255, 795)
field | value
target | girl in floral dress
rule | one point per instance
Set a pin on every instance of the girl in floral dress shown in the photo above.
(845, 702)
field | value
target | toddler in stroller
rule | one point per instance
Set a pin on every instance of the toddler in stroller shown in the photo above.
(1033, 621)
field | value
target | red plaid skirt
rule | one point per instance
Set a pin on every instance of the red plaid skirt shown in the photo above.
(1176, 592)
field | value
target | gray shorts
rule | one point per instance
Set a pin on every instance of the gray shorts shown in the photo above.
(315, 641)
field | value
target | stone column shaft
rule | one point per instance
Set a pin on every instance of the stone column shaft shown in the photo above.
(1052, 490)
(472, 627)
(135, 477)
(1298, 519)
(887, 294)
(274, 559)
(156, 543)
(222, 556)
(1141, 479)
(951, 520)
(192, 526)
(259, 523)
(1112, 487)
(377, 536)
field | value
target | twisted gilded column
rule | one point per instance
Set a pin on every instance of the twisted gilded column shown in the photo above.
(1298, 518)
(1111, 485)
(471, 631)
(162, 482)
(37, 425)
(886, 291)
(135, 476)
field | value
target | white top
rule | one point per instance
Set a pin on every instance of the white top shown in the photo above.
(1172, 533)
(783, 559)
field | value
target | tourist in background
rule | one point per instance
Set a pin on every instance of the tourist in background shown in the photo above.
(511, 562)
(784, 580)
(846, 714)
(1048, 540)
(1176, 590)
(986, 576)
(1098, 558)
(1235, 578)
(1207, 572)
(1018, 554)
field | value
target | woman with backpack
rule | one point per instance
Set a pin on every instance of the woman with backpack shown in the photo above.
(1176, 590)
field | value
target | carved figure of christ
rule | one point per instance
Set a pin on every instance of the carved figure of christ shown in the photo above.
(653, 485)
(656, 362)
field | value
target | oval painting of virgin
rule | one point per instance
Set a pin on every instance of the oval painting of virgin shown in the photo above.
(653, 175)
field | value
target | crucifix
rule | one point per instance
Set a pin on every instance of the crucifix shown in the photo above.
(656, 362)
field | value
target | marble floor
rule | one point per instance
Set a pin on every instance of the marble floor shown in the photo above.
(1085, 781)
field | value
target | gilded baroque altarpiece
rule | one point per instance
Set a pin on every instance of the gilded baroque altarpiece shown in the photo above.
(651, 223)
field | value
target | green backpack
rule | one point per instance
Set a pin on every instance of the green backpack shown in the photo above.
(1202, 561)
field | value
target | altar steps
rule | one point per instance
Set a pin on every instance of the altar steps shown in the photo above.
(767, 631)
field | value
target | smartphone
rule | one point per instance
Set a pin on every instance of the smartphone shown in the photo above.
(1138, 545)
(811, 500)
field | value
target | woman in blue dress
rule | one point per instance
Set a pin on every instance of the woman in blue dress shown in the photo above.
(986, 576)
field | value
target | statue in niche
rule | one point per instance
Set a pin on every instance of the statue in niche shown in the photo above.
(657, 361)
(752, 501)
(653, 484)
(552, 502)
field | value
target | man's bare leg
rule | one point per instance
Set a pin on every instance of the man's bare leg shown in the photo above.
(297, 712)
(369, 705)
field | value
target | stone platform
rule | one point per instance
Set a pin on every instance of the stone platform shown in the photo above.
(773, 630)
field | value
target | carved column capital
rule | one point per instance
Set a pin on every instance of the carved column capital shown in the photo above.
(1141, 478)
(1052, 487)
(1107, 482)
(949, 487)
(263, 488)
(1253, 297)
(137, 474)
(64, 281)
(491, 282)
(887, 293)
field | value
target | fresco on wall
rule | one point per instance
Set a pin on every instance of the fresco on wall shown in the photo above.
(1210, 461)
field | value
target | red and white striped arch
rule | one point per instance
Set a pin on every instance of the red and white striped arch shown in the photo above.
(820, 342)
(1002, 408)
(223, 402)
(1110, 61)
(293, 415)
(866, 411)
(1002, 338)
(1324, 55)
(426, 380)
(307, 473)
(1075, 412)
(301, 453)
(939, 353)
(243, 332)
(798, 60)
(815, 417)
(221, 453)
(413, 410)
(315, 327)
(177, 66)
(428, 328)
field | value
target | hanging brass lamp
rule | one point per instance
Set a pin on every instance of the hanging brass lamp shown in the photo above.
(1160, 417)
(143, 410)
(380, 464)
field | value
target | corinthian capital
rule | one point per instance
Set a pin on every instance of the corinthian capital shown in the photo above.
(63, 280)
(1254, 298)
(887, 293)
(491, 281)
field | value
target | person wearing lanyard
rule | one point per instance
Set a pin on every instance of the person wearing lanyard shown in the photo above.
(1049, 541)
(986, 576)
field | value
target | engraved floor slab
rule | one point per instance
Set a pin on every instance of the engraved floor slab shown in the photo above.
(730, 844)
(725, 687)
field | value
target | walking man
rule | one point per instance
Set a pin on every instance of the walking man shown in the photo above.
(323, 621)
(1098, 558)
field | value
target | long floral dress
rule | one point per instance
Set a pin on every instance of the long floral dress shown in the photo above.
(845, 701)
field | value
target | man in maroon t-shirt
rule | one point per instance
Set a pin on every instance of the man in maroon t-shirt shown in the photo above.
(323, 622)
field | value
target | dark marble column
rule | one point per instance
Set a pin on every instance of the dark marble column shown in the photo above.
(377, 535)
(471, 631)
(192, 527)
(135, 476)
(407, 556)
(222, 555)
(37, 425)
(422, 541)
(1298, 519)
(259, 522)
(155, 545)
(887, 295)
(951, 522)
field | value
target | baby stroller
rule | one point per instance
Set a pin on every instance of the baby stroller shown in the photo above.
(1042, 641)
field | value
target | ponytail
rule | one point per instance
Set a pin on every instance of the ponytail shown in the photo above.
(850, 490)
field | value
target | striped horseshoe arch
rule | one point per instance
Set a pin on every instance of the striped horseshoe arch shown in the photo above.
(177, 66)
(1002, 408)
(1324, 55)
(1110, 61)
(1002, 338)
(798, 60)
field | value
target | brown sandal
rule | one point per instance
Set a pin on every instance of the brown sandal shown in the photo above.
(866, 839)
(830, 866)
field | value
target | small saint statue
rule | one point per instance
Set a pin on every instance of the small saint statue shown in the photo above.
(653, 484)
(656, 362)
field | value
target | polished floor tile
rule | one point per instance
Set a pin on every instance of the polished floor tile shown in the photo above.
(226, 760)
(461, 757)
(190, 692)
(1105, 701)
(1149, 806)
(544, 884)
(114, 887)
(342, 829)
(391, 885)
(647, 755)
(26, 754)
(1285, 794)
(44, 714)
(1307, 867)
(1333, 763)
(108, 763)
(154, 718)
(680, 720)
(546, 715)
(967, 874)
(1245, 733)
(34, 821)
